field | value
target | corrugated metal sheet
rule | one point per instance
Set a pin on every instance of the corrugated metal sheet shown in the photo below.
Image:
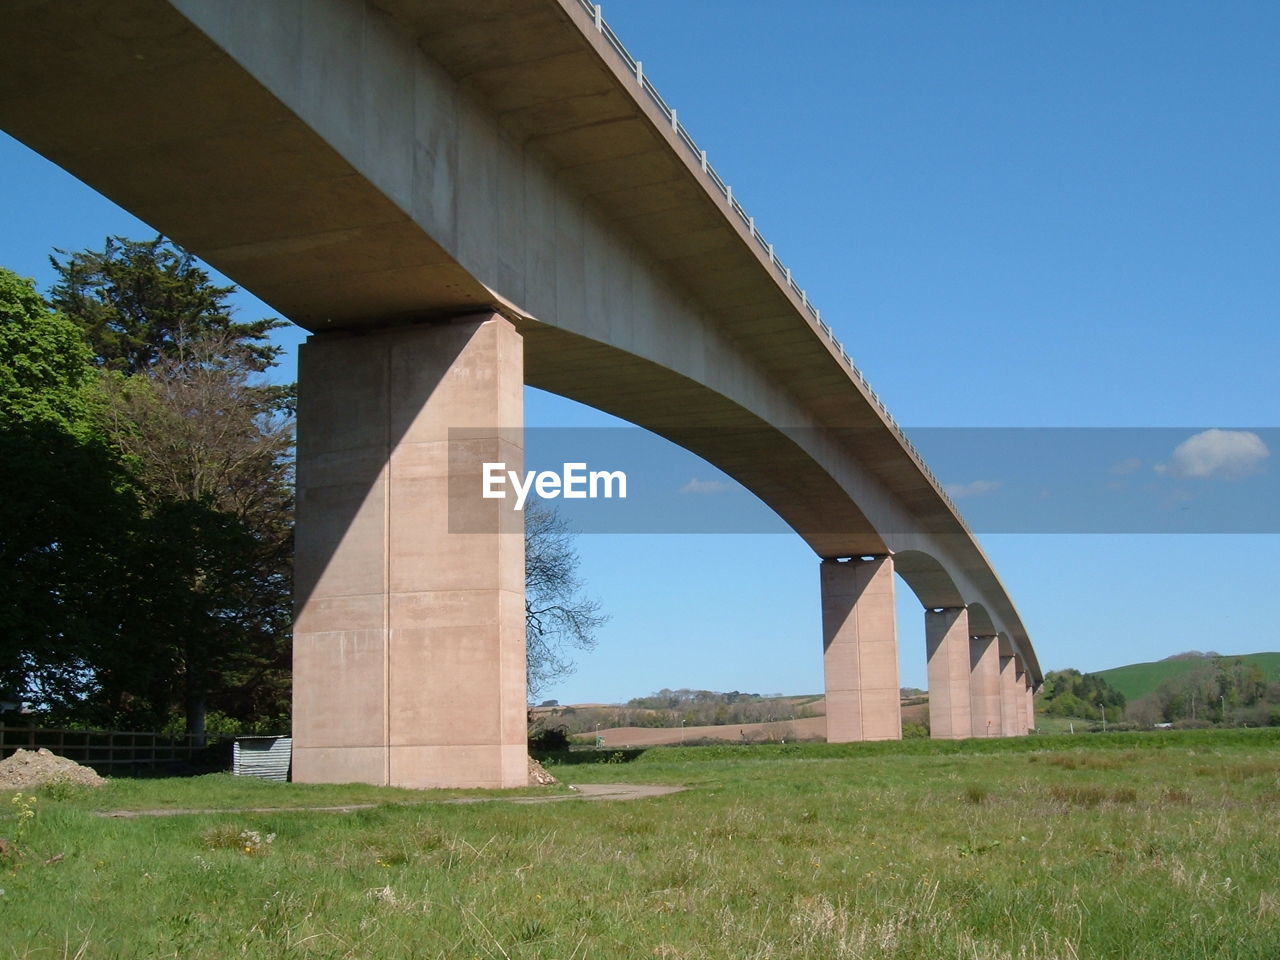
(264, 757)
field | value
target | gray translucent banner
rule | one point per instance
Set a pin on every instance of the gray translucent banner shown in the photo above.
(1001, 480)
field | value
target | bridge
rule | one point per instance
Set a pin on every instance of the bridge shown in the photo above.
(457, 198)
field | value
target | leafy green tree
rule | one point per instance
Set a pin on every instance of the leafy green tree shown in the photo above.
(1216, 689)
(66, 506)
(1070, 693)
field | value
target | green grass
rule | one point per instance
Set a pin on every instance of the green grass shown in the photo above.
(1134, 847)
(223, 791)
(1139, 679)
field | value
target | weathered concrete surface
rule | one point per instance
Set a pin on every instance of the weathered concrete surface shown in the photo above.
(1031, 707)
(409, 642)
(947, 650)
(984, 687)
(860, 650)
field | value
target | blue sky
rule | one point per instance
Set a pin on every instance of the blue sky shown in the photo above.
(1030, 215)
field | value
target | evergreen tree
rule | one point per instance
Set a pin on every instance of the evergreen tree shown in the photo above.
(138, 300)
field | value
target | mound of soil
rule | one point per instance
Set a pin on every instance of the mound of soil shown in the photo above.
(539, 777)
(29, 769)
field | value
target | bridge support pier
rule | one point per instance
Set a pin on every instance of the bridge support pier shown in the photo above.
(984, 686)
(1010, 697)
(860, 650)
(409, 659)
(1020, 698)
(1031, 707)
(947, 644)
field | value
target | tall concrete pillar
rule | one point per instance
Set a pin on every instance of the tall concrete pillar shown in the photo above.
(860, 650)
(984, 686)
(1031, 706)
(1020, 697)
(409, 657)
(947, 646)
(1010, 694)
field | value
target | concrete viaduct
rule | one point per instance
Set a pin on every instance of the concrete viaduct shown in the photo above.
(457, 198)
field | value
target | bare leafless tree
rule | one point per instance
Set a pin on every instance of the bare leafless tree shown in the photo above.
(559, 618)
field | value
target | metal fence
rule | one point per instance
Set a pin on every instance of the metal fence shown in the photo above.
(112, 751)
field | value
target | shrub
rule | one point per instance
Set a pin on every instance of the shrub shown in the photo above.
(549, 740)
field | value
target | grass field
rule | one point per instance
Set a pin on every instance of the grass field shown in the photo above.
(1131, 846)
(1138, 679)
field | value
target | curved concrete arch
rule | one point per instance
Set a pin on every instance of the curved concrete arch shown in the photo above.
(454, 207)
(929, 580)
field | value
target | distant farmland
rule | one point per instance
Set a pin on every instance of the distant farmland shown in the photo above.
(1138, 679)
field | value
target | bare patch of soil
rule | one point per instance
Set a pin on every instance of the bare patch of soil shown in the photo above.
(31, 769)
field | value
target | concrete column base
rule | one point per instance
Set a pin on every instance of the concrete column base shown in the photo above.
(947, 645)
(409, 641)
(1031, 707)
(860, 645)
(984, 687)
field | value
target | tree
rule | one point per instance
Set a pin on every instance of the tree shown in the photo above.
(1070, 693)
(558, 617)
(138, 300)
(67, 508)
(208, 447)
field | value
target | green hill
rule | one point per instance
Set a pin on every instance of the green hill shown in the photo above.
(1139, 679)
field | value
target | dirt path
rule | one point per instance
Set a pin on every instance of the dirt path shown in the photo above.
(587, 791)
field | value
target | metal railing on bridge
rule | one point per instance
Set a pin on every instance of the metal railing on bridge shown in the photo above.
(636, 67)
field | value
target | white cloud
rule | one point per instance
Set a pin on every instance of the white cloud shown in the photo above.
(705, 486)
(975, 488)
(1216, 453)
